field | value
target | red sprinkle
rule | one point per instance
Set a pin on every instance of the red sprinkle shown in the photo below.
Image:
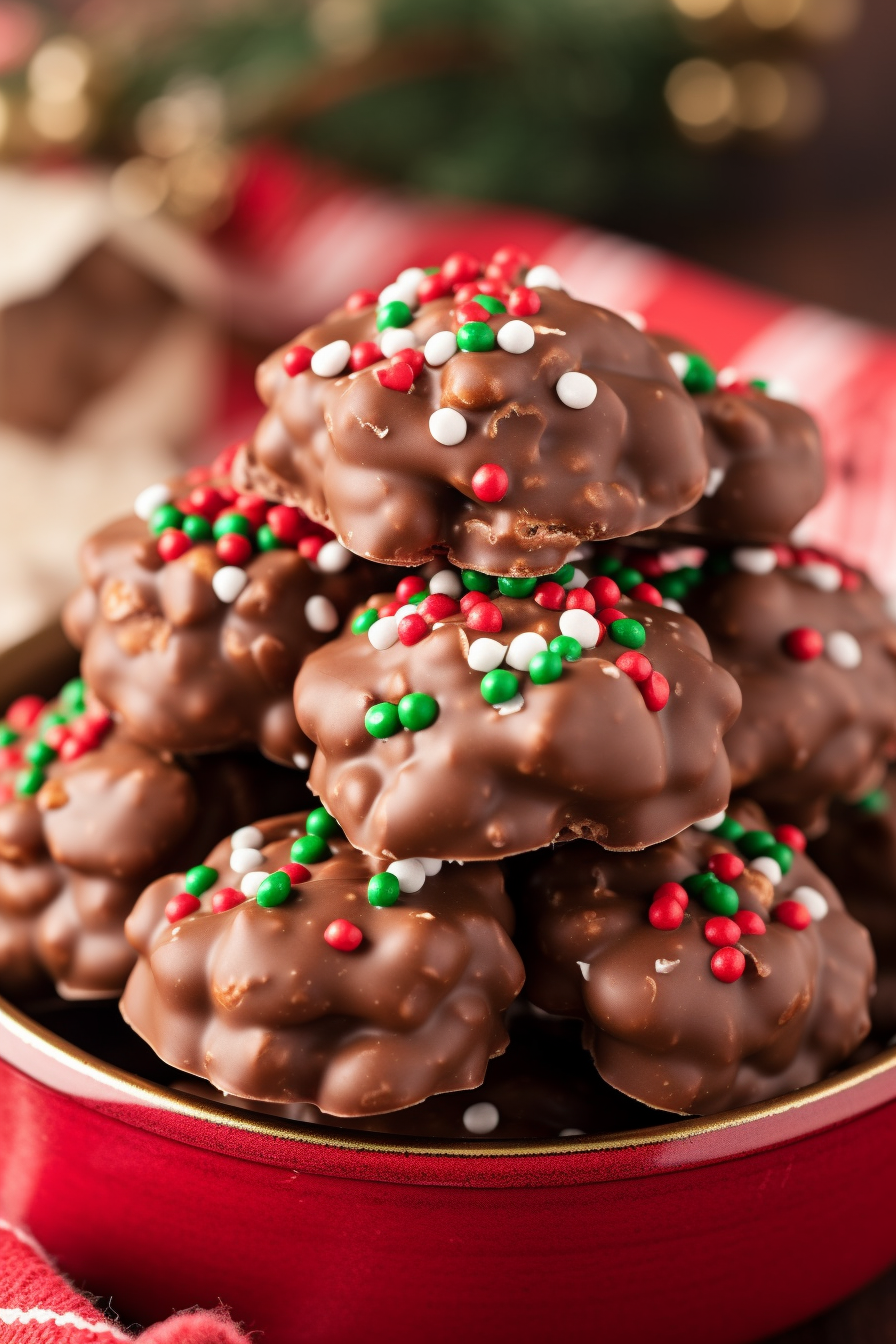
(222, 464)
(471, 600)
(523, 302)
(432, 287)
(72, 748)
(721, 931)
(550, 595)
(793, 914)
(727, 867)
(252, 507)
(196, 475)
(459, 267)
(507, 262)
(360, 298)
(494, 287)
(363, 354)
(610, 614)
(485, 616)
(228, 494)
(11, 757)
(22, 712)
(437, 606)
(579, 599)
(655, 691)
(296, 872)
(343, 935)
(208, 501)
(665, 913)
(471, 312)
(297, 359)
(412, 628)
(412, 357)
(180, 906)
(651, 565)
(728, 964)
(606, 592)
(804, 643)
(490, 483)
(645, 592)
(226, 899)
(172, 544)
(54, 736)
(6, 794)
(389, 609)
(309, 547)
(792, 836)
(749, 922)
(285, 522)
(851, 581)
(397, 377)
(634, 665)
(408, 586)
(673, 889)
(233, 548)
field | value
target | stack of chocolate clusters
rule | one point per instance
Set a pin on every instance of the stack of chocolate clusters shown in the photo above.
(514, 579)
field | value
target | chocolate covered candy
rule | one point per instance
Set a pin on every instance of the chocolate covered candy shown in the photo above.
(501, 435)
(303, 971)
(500, 728)
(703, 984)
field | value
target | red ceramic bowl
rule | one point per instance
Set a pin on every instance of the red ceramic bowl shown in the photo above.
(701, 1231)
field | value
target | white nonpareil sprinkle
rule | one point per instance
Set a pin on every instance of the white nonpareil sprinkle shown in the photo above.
(680, 362)
(710, 823)
(585, 968)
(251, 882)
(229, 582)
(150, 499)
(782, 389)
(431, 866)
(410, 873)
(516, 337)
(543, 277)
(446, 581)
(824, 576)
(636, 320)
(523, 649)
(301, 760)
(754, 559)
(447, 426)
(440, 347)
(486, 654)
(578, 580)
(725, 377)
(481, 1118)
(576, 390)
(813, 900)
(843, 649)
(407, 610)
(321, 614)
(247, 837)
(713, 481)
(394, 339)
(330, 359)
(768, 867)
(672, 605)
(246, 860)
(511, 706)
(383, 633)
(332, 557)
(663, 965)
(580, 625)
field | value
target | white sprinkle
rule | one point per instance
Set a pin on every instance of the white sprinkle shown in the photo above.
(321, 614)
(247, 837)
(576, 390)
(447, 426)
(411, 277)
(446, 581)
(710, 823)
(150, 499)
(580, 625)
(440, 347)
(410, 873)
(245, 860)
(301, 760)
(251, 882)
(431, 866)
(511, 706)
(672, 605)
(383, 633)
(713, 481)
(827, 578)
(394, 339)
(636, 320)
(229, 582)
(843, 649)
(585, 968)
(754, 559)
(486, 654)
(516, 337)
(543, 277)
(571, 1133)
(389, 295)
(725, 377)
(330, 359)
(481, 1118)
(768, 867)
(578, 580)
(813, 900)
(680, 362)
(407, 610)
(523, 649)
(663, 966)
(782, 389)
(332, 557)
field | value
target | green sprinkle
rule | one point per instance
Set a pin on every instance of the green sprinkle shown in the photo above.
(7, 735)
(166, 515)
(565, 574)
(72, 695)
(873, 803)
(609, 565)
(383, 889)
(431, 270)
(671, 585)
(417, 711)
(321, 823)
(753, 843)
(729, 829)
(416, 598)
(721, 899)
(782, 854)
(362, 623)
(517, 587)
(569, 649)
(546, 667)
(691, 575)
(628, 632)
(717, 564)
(275, 888)
(197, 528)
(382, 720)
(475, 582)
(200, 878)
(627, 578)
(309, 849)
(394, 314)
(39, 753)
(232, 522)
(760, 384)
(475, 337)
(54, 718)
(265, 539)
(29, 781)
(499, 686)
(699, 375)
(698, 883)
(490, 303)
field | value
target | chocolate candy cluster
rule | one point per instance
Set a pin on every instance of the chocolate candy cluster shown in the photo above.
(515, 580)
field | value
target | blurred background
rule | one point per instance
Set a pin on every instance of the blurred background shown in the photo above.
(184, 183)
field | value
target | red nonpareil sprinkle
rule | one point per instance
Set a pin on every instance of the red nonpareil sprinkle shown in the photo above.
(645, 592)
(437, 606)
(389, 608)
(749, 922)
(360, 298)
(196, 475)
(285, 522)
(412, 357)
(469, 291)
(655, 690)
(54, 736)
(432, 287)
(7, 793)
(784, 555)
(296, 872)
(721, 931)
(485, 616)
(226, 899)
(72, 748)
(606, 592)
(727, 867)
(205, 500)
(397, 377)
(310, 546)
(634, 665)
(523, 302)
(412, 628)
(180, 906)
(252, 507)
(665, 913)
(223, 463)
(550, 595)
(471, 312)
(172, 544)
(579, 599)
(507, 262)
(100, 718)
(228, 494)
(791, 836)
(11, 758)
(87, 731)
(408, 586)
(850, 581)
(792, 914)
(673, 889)
(297, 359)
(471, 600)
(343, 935)
(460, 267)
(610, 614)
(651, 565)
(363, 354)
(728, 964)
(804, 643)
(233, 548)
(490, 483)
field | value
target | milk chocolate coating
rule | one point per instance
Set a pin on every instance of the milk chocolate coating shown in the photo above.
(661, 1027)
(360, 457)
(766, 467)
(584, 757)
(256, 1001)
(184, 671)
(808, 731)
(75, 856)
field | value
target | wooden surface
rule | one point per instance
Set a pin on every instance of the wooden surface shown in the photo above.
(867, 1318)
